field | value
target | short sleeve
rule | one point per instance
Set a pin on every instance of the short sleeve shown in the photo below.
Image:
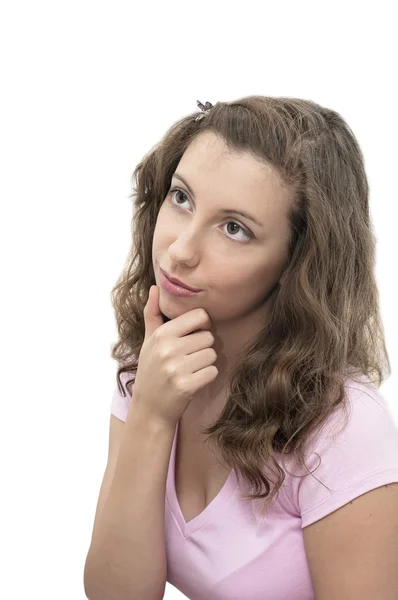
(120, 405)
(362, 457)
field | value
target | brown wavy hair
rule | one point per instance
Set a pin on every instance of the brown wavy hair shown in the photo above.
(325, 323)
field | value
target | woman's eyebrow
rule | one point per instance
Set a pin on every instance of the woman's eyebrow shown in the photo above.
(242, 213)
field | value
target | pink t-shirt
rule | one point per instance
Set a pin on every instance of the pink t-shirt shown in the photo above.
(228, 553)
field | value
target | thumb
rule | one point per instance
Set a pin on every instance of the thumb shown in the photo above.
(152, 314)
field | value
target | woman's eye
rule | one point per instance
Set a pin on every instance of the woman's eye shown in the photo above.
(173, 194)
(178, 192)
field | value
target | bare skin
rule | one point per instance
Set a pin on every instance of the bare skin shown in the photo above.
(237, 274)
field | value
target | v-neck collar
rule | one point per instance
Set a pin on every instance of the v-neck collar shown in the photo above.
(210, 513)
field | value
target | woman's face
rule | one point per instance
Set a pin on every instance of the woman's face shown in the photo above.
(234, 261)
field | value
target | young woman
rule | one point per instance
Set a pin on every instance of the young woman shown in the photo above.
(251, 452)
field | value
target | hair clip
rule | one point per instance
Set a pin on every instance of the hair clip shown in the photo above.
(204, 107)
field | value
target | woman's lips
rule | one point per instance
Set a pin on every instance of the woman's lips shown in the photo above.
(174, 289)
(178, 282)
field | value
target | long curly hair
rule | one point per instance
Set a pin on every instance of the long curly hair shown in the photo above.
(325, 324)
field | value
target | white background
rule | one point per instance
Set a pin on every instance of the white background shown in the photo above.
(86, 89)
